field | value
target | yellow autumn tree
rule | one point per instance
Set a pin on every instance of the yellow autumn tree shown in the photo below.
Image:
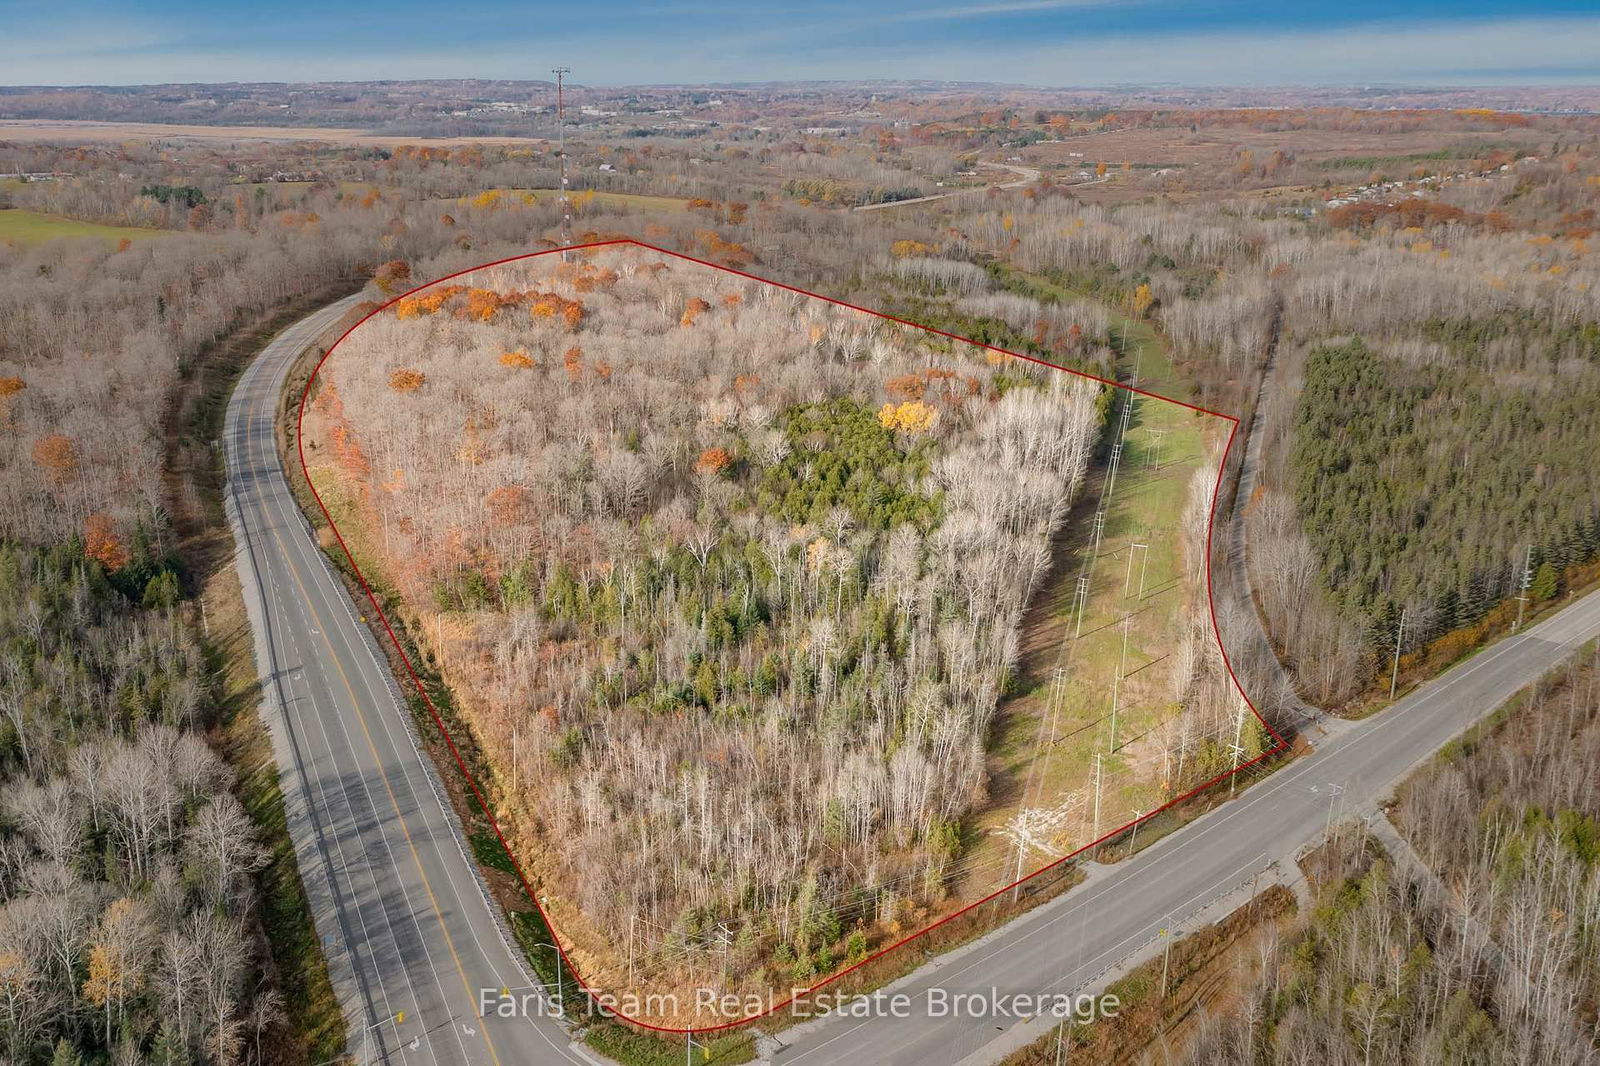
(1141, 300)
(908, 417)
(118, 955)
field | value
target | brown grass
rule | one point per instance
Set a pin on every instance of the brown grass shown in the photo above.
(73, 131)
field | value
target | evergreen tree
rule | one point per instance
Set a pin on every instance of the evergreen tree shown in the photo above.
(169, 1049)
(1546, 582)
(66, 1054)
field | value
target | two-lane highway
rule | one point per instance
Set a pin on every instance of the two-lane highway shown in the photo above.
(1066, 945)
(411, 939)
(409, 932)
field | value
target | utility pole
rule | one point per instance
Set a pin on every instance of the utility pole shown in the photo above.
(1166, 957)
(1399, 635)
(561, 142)
(1116, 449)
(1157, 436)
(1116, 681)
(1098, 759)
(1127, 583)
(1016, 880)
(1238, 749)
(1524, 585)
(516, 765)
(1144, 567)
(633, 920)
(1083, 605)
(1334, 792)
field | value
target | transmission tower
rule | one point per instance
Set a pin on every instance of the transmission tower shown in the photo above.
(561, 147)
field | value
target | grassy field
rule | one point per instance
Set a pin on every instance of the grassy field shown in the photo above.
(580, 199)
(1059, 720)
(31, 227)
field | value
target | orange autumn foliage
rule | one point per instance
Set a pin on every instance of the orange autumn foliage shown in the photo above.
(56, 455)
(392, 276)
(426, 303)
(519, 359)
(573, 360)
(591, 278)
(484, 304)
(404, 380)
(11, 386)
(712, 461)
(349, 454)
(723, 251)
(692, 310)
(507, 505)
(101, 543)
(906, 387)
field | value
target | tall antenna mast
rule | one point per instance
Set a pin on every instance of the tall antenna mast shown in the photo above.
(561, 143)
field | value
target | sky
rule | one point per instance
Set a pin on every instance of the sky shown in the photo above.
(628, 42)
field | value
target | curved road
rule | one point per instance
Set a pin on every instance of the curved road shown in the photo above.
(407, 928)
(409, 935)
(1025, 176)
(1197, 874)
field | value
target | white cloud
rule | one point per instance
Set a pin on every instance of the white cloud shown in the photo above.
(998, 7)
(1439, 52)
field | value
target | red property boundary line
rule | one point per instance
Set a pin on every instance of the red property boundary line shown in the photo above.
(596, 994)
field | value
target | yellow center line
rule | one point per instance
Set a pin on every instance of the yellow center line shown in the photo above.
(322, 631)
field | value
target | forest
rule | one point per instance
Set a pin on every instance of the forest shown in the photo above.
(1503, 968)
(758, 583)
(741, 571)
(1419, 488)
(1426, 389)
(125, 860)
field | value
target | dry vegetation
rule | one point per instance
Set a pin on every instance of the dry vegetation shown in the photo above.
(706, 651)
(1427, 371)
(1501, 969)
(741, 568)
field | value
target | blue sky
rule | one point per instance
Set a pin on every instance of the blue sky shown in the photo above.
(1037, 42)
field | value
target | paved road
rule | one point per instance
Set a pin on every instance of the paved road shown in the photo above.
(405, 925)
(407, 928)
(1025, 176)
(1068, 944)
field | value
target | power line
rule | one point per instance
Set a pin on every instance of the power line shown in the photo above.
(561, 147)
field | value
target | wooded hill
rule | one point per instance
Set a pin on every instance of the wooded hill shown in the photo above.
(735, 572)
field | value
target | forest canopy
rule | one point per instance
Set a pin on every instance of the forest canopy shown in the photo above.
(734, 574)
